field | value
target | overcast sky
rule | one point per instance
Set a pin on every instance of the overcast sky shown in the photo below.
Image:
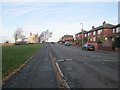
(58, 17)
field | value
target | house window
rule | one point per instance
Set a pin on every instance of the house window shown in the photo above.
(91, 39)
(85, 35)
(117, 30)
(88, 34)
(94, 33)
(106, 38)
(94, 39)
(99, 31)
(114, 30)
(91, 33)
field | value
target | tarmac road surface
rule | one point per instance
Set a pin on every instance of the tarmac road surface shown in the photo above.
(81, 69)
(87, 69)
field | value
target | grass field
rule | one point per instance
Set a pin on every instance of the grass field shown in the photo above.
(14, 56)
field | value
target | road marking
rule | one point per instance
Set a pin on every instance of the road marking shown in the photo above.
(106, 60)
(54, 58)
(62, 83)
(59, 69)
(103, 61)
(61, 60)
(68, 59)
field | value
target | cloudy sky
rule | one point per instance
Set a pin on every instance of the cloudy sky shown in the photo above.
(58, 17)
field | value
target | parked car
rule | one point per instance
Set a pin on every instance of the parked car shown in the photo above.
(67, 43)
(88, 46)
(52, 42)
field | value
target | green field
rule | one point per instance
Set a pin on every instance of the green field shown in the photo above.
(14, 56)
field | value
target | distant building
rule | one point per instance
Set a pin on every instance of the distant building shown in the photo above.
(67, 38)
(33, 38)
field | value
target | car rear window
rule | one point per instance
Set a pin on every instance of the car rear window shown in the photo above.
(90, 45)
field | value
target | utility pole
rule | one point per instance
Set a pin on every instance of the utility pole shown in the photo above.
(82, 33)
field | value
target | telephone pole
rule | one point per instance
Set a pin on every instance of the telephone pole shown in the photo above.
(82, 32)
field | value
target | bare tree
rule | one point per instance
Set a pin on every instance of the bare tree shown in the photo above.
(45, 35)
(18, 34)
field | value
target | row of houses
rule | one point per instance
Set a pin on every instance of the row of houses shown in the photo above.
(105, 35)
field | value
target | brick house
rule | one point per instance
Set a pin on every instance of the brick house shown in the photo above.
(115, 31)
(80, 35)
(100, 33)
(67, 38)
(105, 35)
(116, 37)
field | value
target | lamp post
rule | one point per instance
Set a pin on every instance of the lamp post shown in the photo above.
(82, 33)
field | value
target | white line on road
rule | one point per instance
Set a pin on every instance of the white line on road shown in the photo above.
(60, 60)
(59, 69)
(106, 60)
(69, 59)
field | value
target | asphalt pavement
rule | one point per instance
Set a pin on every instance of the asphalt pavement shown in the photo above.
(80, 69)
(87, 69)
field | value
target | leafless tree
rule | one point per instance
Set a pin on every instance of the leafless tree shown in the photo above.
(45, 35)
(18, 34)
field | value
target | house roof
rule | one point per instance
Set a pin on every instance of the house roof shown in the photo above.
(68, 36)
(101, 27)
(105, 25)
(115, 26)
(84, 31)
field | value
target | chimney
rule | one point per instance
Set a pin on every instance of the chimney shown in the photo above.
(30, 34)
(104, 23)
(93, 27)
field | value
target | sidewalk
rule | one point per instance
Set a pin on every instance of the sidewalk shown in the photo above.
(37, 73)
(103, 51)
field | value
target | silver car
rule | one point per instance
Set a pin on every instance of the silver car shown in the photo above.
(67, 43)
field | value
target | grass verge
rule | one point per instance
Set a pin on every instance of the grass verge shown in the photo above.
(14, 56)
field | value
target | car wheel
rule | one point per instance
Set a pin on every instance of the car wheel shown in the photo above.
(86, 49)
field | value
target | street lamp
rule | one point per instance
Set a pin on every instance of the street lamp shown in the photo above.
(82, 33)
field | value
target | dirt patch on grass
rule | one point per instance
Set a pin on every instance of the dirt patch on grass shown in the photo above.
(7, 44)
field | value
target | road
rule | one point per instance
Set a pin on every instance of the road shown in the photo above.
(81, 69)
(87, 69)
